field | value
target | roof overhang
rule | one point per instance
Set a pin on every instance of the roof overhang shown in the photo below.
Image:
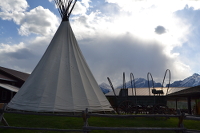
(9, 87)
(189, 92)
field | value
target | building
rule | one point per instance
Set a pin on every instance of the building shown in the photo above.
(191, 96)
(10, 82)
(143, 97)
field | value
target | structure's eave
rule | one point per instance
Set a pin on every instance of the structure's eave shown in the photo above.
(9, 87)
(188, 91)
(14, 73)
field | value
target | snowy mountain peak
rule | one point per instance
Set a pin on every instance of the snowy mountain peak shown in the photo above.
(105, 88)
(191, 81)
(104, 85)
(140, 83)
(195, 75)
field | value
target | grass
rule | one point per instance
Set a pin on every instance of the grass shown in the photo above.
(59, 122)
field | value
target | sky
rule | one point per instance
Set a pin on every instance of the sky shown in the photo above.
(115, 36)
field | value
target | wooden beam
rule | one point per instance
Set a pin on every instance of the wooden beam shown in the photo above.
(135, 128)
(47, 129)
(176, 103)
(45, 114)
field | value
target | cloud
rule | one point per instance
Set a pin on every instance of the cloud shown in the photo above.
(5, 48)
(10, 10)
(81, 7)
(17, 51)
(189, 51)
(160, 30)
(21, 54)
(25, 55)
(108, 9)
(11, 7)
(114, 36)
(86, 3)
(126, 53)
(37, 21)
(125, 42)
(141, 5)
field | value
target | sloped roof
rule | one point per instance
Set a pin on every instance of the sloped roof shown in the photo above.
(4, 77)
(190, 91)
(17, 74)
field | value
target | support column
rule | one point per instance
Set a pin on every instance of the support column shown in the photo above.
(189, 105)
(176, 103)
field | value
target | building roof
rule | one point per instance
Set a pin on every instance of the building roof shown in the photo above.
(187, 92)
(17, 74)
(4, 77)
(145, 91)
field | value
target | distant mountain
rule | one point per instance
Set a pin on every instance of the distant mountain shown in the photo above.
(141, 83)
(105, 88)
(191, 81)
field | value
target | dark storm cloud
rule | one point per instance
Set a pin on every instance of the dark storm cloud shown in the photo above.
(25, 59)
(112, 56)
(21, 54)
(160, 30)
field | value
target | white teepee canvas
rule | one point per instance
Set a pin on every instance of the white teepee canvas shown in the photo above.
(62, 80)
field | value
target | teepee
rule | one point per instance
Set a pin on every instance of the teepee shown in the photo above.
(62, 80)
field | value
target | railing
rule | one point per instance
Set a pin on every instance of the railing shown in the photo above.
(6, 125)
(179, 128)
(86, 128)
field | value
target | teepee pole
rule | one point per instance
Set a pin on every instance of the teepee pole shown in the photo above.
(72, 8)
